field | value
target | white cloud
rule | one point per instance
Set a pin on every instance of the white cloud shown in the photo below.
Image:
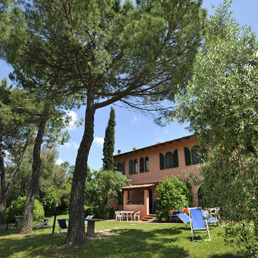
(59, 161)
(7, 153)
(99, 141)
(73, 119)
(75, 145)
(136, 120)
(69, 145)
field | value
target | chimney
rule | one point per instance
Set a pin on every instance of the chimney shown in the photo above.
(119, 152)
(158, 142)
(134, 148)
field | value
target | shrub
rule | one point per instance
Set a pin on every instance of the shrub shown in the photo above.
(172, 193)
(18, 209)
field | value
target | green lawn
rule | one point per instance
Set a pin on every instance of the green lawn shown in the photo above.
(129, 239)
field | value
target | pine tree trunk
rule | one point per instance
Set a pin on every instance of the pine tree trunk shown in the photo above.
(3, 192)
(76, 230)
(36, 165)
(3, 186)
(2, 210)
(5, 189)
(3, 198)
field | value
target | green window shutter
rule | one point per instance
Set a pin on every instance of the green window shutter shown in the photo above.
(130, 167)
(123, 168)
(161, 161)
(187, 156)
(141, 165)
(175, 158)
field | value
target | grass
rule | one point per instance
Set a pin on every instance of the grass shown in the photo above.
(131, 240)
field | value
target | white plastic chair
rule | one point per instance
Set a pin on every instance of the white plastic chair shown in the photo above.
(119, 216)
(137, 215)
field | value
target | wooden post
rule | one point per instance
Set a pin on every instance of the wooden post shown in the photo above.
(8, 221)
(54, 225)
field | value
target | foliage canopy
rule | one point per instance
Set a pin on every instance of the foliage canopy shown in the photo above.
(172, 193)
(221, 106)
(101, 186)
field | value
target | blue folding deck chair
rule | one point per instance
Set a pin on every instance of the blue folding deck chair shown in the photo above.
(45, 223)
(88, 217)
(184, 217)
(198, 223)
(174, 214)
(62, 224)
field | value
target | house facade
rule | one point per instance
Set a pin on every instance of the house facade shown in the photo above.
(146, 167)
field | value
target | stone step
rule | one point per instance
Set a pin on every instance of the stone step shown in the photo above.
(149, 217)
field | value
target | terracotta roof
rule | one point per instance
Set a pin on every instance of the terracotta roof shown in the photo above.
(139, 186)
(155, 145)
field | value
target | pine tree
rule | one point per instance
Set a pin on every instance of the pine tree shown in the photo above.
(101, 52)
(109, 142)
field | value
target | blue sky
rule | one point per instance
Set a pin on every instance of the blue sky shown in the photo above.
(133, 129)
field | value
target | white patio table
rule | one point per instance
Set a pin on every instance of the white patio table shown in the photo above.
(128, 213)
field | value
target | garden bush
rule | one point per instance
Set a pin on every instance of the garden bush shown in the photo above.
(172, 193)
(18, 209)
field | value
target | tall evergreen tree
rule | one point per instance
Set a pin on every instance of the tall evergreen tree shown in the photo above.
(15, 135)
(109, 142)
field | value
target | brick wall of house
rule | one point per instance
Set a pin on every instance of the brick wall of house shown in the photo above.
(155, 174)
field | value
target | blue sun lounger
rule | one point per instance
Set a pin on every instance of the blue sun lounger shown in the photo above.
(88, 217)
(174, 214)
(45, 223)
(62, 224)
(198, 224)
(185, 218)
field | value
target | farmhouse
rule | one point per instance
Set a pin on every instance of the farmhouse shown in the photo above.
(146, 167)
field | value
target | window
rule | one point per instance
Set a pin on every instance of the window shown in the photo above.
(169, 160)
(192, 156)
(135, 166)
(161, 161)
(123, 168)
(196, 159)
(146, 164)
(141, 165)
(130, 167)
(119, 167)
(187, 156)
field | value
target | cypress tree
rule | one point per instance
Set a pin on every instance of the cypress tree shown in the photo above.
(109, 142)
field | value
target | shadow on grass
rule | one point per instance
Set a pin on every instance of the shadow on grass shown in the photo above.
(9, 232)
(228, 255)
(29, 245)
(130, 242)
